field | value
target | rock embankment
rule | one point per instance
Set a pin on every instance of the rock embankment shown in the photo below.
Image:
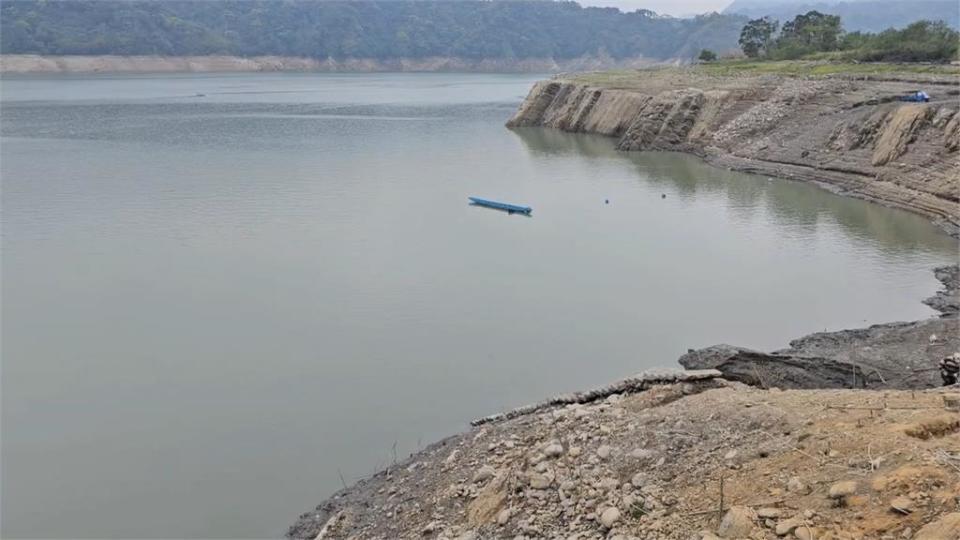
(849, 134)
(894, 355)
(682, 461)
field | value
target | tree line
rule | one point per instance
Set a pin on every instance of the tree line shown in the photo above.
(378, 29)
(814, 34)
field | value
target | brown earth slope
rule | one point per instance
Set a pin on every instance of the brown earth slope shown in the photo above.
(848, 133)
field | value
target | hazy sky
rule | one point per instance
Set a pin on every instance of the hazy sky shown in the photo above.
(666, 7)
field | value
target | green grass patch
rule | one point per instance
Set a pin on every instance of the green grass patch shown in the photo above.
(822, 67)
(825, 66)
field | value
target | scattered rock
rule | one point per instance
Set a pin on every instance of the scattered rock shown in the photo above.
(795, 485)
(553, 450)
(786, 526)
(843, 489)
(768, 513)
(484, 473)
(540, 481)
(737, 522)
(642, 454)
(504, 516)
(430, 528)
(604, 451)
(609, 517)
(947, 526)
(902, 505)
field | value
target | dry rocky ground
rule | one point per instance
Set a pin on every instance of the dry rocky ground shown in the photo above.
(825, 464)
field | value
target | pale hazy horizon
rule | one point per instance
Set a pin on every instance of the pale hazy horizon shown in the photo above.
(663, 7)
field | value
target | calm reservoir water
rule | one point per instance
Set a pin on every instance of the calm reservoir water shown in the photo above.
(219, 291)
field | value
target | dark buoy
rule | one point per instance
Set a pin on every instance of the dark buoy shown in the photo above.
(606, 201)
(663, 195)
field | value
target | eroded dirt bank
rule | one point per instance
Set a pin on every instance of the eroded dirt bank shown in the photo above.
(648, 458)
(847, 133)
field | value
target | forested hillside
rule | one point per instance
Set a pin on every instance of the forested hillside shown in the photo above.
(378, 29)
(859, 15)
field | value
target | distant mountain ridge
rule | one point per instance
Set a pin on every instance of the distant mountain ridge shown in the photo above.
(369, 29)
(862, 15)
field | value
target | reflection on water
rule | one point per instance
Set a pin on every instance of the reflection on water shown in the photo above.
(213, 307)
(790, 203)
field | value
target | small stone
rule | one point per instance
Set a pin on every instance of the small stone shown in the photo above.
(768, 512)
(737, 522)
(609, 517)
(430, 528)
(730, 455)
(804, 532)
(469, 535)
(540, 481)
(504, 516)
(639, 480)
(842, 489)
(795, 485)
(642, 453)
(604, 451)
(574, 451)
(553, 450)
(608, 484)
(484, 473)
(902, 505)
(786, 527)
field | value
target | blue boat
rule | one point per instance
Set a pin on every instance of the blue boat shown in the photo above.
(510, 208)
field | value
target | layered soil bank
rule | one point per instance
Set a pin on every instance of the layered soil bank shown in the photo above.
(31, 63)
(850, 134)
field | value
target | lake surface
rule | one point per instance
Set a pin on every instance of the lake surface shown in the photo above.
(222, 292)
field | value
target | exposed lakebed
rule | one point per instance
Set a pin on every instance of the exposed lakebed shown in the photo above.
(221, 292)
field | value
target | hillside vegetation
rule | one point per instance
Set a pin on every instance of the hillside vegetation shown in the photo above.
(815, 35)
(378, 29)
(860, 15)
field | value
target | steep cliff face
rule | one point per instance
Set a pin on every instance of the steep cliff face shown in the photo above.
(851, 135)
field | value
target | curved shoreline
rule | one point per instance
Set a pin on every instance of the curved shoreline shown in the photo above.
(34, 63)
(847, 134)
(819, 368)
(520, 491)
